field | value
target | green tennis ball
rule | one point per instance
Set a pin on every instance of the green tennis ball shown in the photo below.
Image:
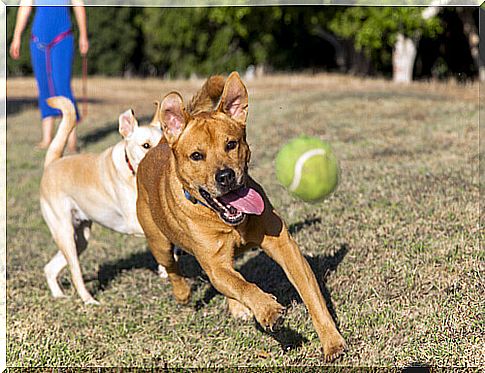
(308, 168)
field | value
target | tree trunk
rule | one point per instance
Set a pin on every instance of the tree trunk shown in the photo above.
(403, 56)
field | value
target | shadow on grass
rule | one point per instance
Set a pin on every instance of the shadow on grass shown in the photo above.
(99, 134)
(287, 338)
(296, 227)
(417, 367)
(270, 278)
(109, 271)
(16, 105)
(261, 270)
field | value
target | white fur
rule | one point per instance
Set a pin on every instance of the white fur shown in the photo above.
(81, 189)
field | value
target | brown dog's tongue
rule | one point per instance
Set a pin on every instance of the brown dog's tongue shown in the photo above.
(246, 200)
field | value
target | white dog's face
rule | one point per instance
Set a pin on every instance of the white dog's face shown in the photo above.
(139, 139)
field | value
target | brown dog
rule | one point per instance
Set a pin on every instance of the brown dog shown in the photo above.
(194, 191)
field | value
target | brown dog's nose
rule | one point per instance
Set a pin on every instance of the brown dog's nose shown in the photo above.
(225, 177)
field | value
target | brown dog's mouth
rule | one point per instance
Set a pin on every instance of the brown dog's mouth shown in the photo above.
(232, 207)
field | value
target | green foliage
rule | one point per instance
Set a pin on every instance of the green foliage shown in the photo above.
(202, 40)
(184, 41)
(375, 29)
(294, 30)
(113, 39)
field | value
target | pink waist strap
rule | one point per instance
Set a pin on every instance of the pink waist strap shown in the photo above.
(54, 41)
(48, 62)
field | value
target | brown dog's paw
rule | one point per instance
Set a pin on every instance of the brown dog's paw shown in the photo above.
(181, 291)
(239, 310)
(271, 315)
(333, 347)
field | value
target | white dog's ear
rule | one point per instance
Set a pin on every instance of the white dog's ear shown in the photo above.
(173, 117)
(234, 100)
(155, 122)
(127, 123)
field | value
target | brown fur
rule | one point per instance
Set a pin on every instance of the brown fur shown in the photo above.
(168, 218)
(207, 97)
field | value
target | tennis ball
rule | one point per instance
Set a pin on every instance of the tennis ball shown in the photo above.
(308, 168)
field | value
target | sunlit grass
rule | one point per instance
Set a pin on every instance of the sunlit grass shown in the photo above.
(395, 249)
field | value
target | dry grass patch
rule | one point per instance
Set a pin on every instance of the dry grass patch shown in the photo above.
(396, 248)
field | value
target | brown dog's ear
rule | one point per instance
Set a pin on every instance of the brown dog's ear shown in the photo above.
(127, 123)
(155, 122)
(234, 100)
(172, 116)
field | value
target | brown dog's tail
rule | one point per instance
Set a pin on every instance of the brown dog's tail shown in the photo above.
(68, 122)
(207, 98)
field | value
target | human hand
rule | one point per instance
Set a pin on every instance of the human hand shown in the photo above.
(83, 45)
(15, 48)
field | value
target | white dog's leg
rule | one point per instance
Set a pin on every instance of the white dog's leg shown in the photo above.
(162, 272)
(64, 237)
(176, 252)
(52, 270)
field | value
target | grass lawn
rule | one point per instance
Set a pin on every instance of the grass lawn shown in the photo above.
(395, 249)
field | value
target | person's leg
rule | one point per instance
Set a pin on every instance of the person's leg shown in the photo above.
(72, 142)
(48, 114)
(48, 125)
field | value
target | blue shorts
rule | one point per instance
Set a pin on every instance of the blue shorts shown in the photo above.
(52, 64)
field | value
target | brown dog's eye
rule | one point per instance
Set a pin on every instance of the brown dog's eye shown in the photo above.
(146, 145)
(196, 156)
(231, 145)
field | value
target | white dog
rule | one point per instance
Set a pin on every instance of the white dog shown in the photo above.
(79, 189)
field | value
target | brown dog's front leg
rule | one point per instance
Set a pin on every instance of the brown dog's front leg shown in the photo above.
(160, 247)
(161, 250)
(229, 282)
(285, 252)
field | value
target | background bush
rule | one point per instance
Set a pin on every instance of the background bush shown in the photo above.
(179, 42)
